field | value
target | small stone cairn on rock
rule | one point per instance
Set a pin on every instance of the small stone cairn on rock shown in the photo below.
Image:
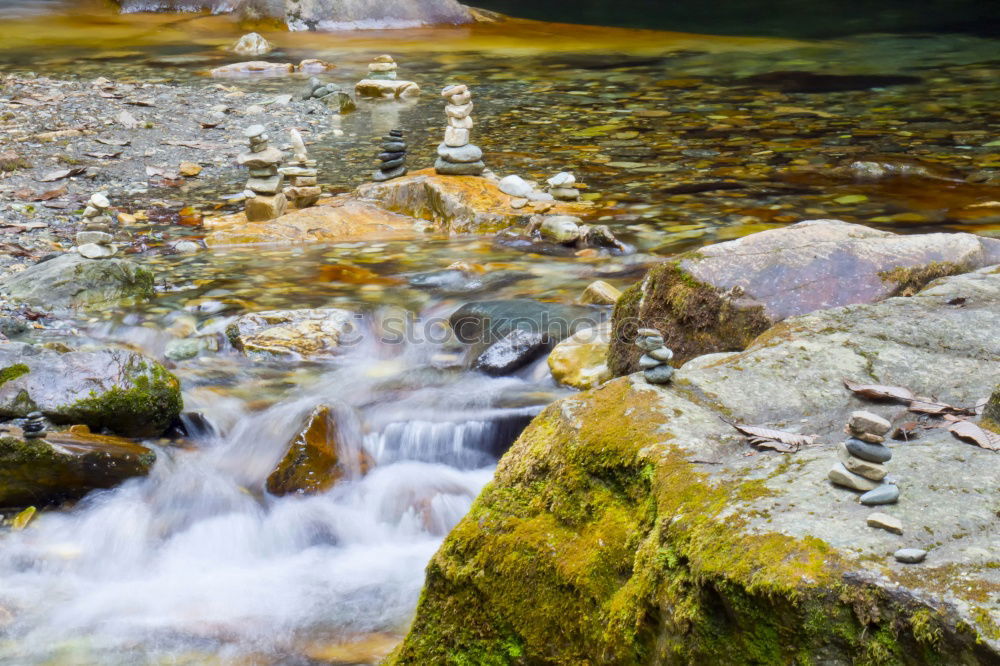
(34, 428)
(94, 242)
(655, 360)
(265, 200)
(862, 457)
(562, 187)
(381, 81)
(456, 155)
(303, 190)
(393, 157)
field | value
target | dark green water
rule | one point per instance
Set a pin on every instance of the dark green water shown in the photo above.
(785, 18)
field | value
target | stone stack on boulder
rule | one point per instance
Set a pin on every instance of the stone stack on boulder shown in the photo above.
(562, 187)
(862, 460)
(456, 155)
(330, 94)
(655, 360)
(393, 157)
(265, 200)
(94, 242)
(34, 428)
(381, 81)
(303, 190)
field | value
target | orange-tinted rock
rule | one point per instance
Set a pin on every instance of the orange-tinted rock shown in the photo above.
(339, 219)
(316, 458)
(457, 203)
(65, 465)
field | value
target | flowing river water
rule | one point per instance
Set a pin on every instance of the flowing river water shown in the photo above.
(196, 564)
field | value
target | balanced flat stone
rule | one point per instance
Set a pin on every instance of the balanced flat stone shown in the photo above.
(866, 422)
(843, 477)
(865, 468)
(885, 522)
(649, 342)
(661, 354)
(661, 374)
(452, 169)
(887, 493)
(646, 362)
(876, 453)
(910, 555)
(460, 154)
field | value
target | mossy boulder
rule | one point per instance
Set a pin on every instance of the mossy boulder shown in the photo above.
(111, 389)
(72, 281)
(991, 414)
(630, 524)
(64, 465)
(317, 457)
(721, 297)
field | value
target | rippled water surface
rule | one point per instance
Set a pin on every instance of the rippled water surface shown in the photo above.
(681, 140)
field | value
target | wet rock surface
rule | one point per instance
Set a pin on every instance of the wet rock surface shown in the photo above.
(72, 281)
(116, 390)
(695, 507)
(287, 334)
(721, 297)
(65, 465)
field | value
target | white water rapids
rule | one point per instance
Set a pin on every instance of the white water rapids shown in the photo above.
(197, 559)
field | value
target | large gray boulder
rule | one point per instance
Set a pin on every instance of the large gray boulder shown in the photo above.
(114, 389)
(631, 524)
(72, 281)
(323, 14)
(721, 297)
(65, 465)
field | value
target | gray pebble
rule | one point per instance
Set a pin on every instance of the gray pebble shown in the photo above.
(661, 374)
(887, 493)
(910, 555)
(876, 453)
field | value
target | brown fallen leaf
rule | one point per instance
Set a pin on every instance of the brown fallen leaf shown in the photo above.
(104, 156)
(50, 194)
(53, 176)
(113, 142)
(779, 440)
(928, 406)
(907, 431)
(971, 432)
(879, 392)
(196, 145)
(14, 250)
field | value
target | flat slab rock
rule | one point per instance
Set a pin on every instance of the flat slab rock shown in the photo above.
(740, 288)
(731, 518)
(333, 220)
(457, 203)
(319, 332)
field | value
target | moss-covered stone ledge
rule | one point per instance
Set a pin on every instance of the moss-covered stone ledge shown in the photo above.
(112, 390)
(719, 298)
(630, 525)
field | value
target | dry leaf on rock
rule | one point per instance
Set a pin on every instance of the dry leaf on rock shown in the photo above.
(127, 120)
(879, 391)
(113, 142)
(928, 406)
(971, 432)
(60, 174)
(779, 440)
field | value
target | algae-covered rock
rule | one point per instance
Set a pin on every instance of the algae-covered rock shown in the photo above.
(991, 414)
(630, 524)
(317, 458)
(114, 389)
(721, 297)
(70, 281)
(292, 333)
(64, 465)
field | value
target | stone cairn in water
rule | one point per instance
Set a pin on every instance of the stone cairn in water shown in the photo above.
(265, 200)
(655, 360)
(94, 242)
(382, 68)
(456, 155)
(393, 157)
(561, 187)
(35, 426)
(303, 190)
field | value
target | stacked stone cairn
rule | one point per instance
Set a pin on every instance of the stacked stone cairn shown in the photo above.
(655, 360)
(456, 155)
(330, 94)
(382, 68)
(265, 200)
(561, 187)
(303, 190)
(94, 242)
(862, 460)
(35, 426)
(393, 157)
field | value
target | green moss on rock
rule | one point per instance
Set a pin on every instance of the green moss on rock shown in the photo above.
(695, 318)
(145, 407)
(598, 542)
(911, 279)
(12, 372)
